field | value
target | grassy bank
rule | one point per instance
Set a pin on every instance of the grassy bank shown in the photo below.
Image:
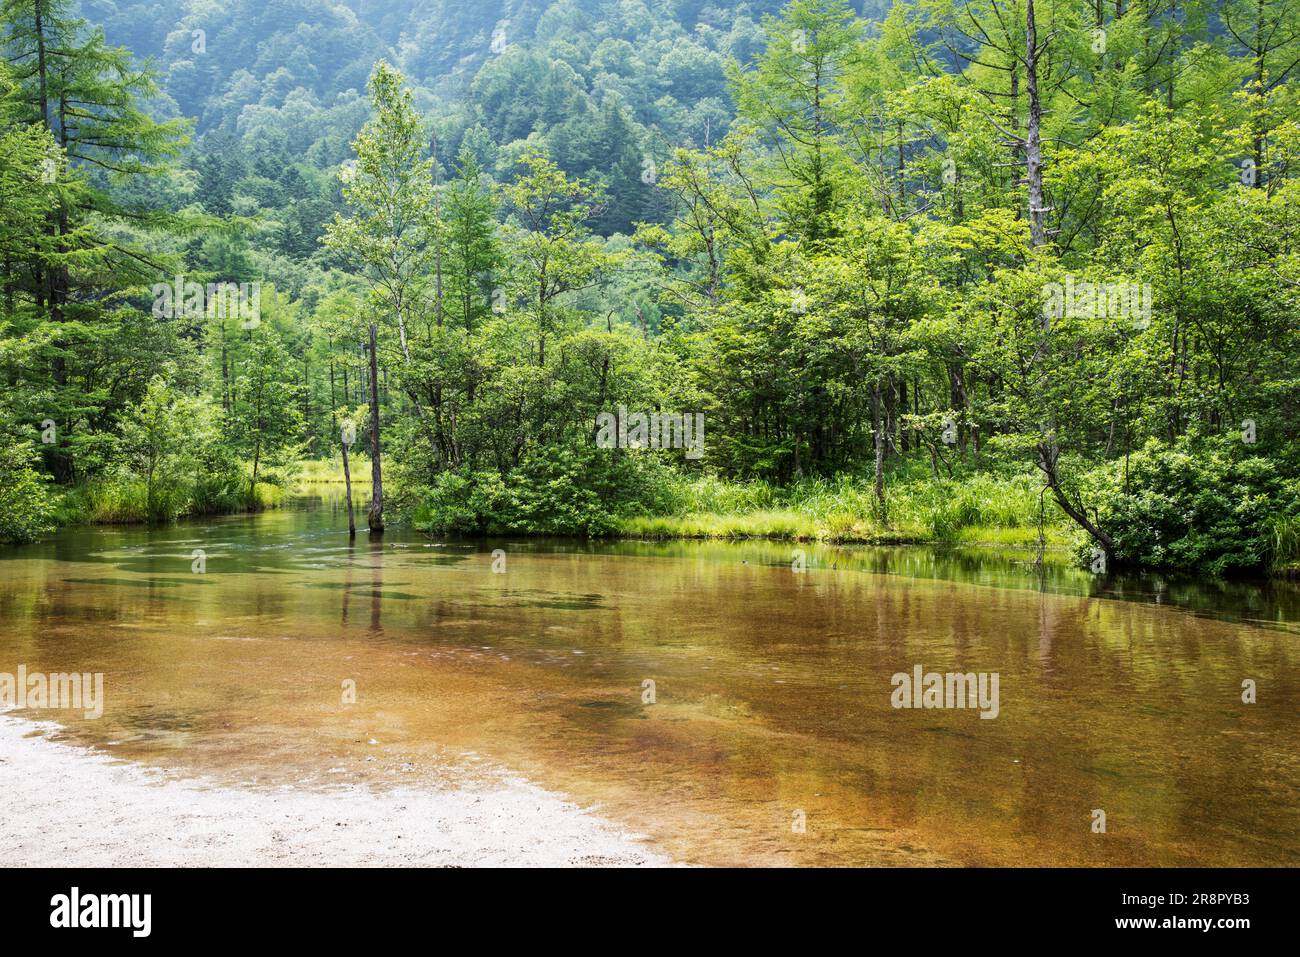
(977, 510)
(129, 501)
(993, 509)
(330, 471)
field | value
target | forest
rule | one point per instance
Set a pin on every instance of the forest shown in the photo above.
(1010, 271)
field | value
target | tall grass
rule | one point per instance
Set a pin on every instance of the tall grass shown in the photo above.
(330, 471)
(948, 507)
(918, 508)
(1284, 549)
(120, 501)
(128, 501)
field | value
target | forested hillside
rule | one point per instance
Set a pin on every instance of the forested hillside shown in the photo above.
(881, 272)
(601, 83)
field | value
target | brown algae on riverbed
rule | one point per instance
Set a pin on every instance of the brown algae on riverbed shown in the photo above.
(708, 696)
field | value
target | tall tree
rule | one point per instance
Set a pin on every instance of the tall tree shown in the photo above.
(85, 95)
(794, 93)
(391, 233)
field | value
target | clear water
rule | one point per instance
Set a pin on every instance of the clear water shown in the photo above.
(771, 688)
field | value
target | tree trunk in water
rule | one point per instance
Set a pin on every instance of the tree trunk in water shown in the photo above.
(375, 517)
(347, 487)
(334, 402)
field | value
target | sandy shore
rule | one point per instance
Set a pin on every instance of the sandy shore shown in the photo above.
(70, 806)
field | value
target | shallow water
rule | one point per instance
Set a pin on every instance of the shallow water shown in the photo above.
(772, 689)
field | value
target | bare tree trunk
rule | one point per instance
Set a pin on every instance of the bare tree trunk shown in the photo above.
(334, 418)
(1257, 136)
(306, 400)
(225, 369)
(891, 420)
(1048, 452)
(902, 176)
(1047, 456)
(347, 485)
(902, 405)
(957, 398)
(880, 452)
(435, 172)
(1033, 139)
(375, 518)
(40, 66)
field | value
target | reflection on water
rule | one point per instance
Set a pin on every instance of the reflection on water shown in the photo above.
(770, 688)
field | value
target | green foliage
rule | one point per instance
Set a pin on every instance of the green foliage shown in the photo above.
(1285, 557)
(27, 507)
(843, 509)
(126, 500)
(947, 507)
(844, 243)
(1207, 504)
(564, 490)
(163, 437)
(266, 426)
(795, 95)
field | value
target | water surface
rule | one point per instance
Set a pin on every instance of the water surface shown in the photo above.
(771, 688)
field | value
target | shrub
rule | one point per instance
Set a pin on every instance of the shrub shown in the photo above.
(1204, 504)
(557, 490)
(26, 505)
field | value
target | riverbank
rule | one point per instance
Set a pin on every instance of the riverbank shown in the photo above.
(70, 806)
(131, 502)
(918, 509)
(792, 526)
(979, 510)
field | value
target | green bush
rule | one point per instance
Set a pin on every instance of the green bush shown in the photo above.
(26, 505)
(1207, 504)
(558, 490)
(460, 502)
(946, 506)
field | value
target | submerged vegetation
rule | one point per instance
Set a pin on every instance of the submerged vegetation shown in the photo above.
(942, 270)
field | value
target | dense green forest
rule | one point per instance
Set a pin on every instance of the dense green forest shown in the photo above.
(1023, 270)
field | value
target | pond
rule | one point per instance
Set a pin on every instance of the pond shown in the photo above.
(734, 709)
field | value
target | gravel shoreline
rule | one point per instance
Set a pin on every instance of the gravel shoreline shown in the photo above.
(69, 806)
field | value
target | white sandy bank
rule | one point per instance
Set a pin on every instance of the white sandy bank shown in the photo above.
(62, 805)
